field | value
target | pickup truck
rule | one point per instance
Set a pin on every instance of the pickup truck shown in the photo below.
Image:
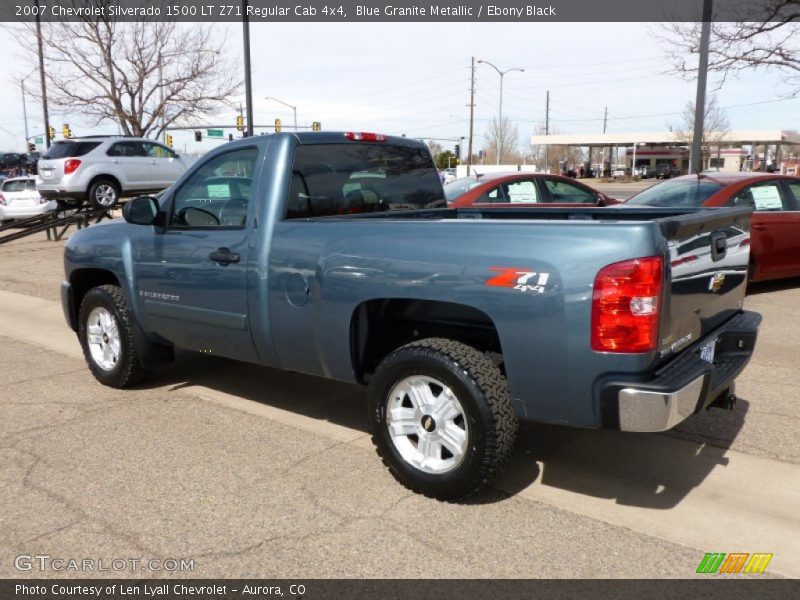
(335, 255)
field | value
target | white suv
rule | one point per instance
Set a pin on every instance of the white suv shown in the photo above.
(101, 169)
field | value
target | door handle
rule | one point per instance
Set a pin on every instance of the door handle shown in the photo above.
(154, 163)
(758, 227)
(224, 256)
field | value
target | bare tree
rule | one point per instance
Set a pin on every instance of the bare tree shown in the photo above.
(716, 126)
(143, 76)
(507, 135)
(765, 36)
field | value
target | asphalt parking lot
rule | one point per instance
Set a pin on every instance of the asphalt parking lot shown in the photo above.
(251, 472)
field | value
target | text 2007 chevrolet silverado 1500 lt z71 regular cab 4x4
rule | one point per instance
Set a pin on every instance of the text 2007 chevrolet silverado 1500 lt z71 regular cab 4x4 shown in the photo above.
(335, 255)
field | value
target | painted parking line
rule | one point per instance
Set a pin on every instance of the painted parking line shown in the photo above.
(708, 498)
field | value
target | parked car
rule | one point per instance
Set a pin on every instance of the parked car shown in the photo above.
(667, 171)
(334, 254)
(775, 224)
(10, 161)
(20, 200)
(102, 169)
(646, 171)
(522, 189)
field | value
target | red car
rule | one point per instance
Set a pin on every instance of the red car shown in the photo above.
(521, 190)
(775, 224)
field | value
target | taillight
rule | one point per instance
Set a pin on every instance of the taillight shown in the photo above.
(364, 136)
(71, 165)
(2, 200)
(626, 306)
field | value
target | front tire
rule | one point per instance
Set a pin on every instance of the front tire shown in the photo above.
(103, 194)
(106, 333)
(441, 418)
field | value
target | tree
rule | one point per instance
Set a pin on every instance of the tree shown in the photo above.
(446, 160)
(508, 136)
(435, 149)
(143, 76)
(715, 125)
(765, 37)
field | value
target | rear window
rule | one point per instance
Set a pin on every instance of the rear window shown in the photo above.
(677, 193)
(70, 149)
(19, 185)
(341, 179)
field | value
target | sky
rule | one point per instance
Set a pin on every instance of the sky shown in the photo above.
(413, 79)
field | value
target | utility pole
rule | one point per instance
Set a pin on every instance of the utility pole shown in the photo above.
(605, 119)
(248, 83)
(41, 77)
(700, 102)
(161, 98)
(605, 123)
(471, 109)
(547, 131)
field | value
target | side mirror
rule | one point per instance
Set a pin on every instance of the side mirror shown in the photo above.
(141, 211)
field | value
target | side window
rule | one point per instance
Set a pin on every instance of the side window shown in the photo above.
(522, 192)
(127, 149)
(795, 189)
(765, 196)
(564, 191)
(154, 150)
(218, 193)
(495, 195)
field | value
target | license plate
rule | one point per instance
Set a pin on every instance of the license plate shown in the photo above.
(707, 351)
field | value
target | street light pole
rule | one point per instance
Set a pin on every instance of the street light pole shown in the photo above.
(500, 111)
(294, 108)
(41, 77)
(24, 110)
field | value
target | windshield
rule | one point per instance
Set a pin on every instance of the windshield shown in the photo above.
(340, 179)
(460, 186)
(677, 193)
(19, 185)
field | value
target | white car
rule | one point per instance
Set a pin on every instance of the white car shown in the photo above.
(20, 200)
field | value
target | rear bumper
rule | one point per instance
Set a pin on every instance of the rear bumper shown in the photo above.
(24, 212)
(684, 387)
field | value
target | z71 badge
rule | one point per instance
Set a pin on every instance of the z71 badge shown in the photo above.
(519, 279)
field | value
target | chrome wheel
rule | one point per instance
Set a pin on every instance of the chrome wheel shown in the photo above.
(103, 338)
(105, 195)
(427, 424)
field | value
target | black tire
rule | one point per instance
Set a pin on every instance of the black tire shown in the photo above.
(127, 369)
(103, 194)
(482, 392)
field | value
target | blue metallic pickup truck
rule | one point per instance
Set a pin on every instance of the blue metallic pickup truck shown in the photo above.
(334, 254)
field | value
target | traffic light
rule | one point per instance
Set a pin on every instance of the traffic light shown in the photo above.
(51, 132)
(198, 136)
(316, 126)
(277, 125)
(240, 123)
(169, 140)
(31, 147)
(457, 151)
(65, 130)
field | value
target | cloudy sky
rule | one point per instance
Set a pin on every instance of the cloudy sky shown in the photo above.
(414, 79)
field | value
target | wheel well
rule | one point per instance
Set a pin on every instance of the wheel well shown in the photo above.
(110, 178)
(81, 281)
(380, 326)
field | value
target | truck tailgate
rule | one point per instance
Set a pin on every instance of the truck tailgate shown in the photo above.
(709, 253)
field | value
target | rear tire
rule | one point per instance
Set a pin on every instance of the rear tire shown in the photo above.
(103, 194)
(106, 333)
(441, 418)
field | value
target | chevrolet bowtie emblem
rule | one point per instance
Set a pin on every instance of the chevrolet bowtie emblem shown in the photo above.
(716, 281)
